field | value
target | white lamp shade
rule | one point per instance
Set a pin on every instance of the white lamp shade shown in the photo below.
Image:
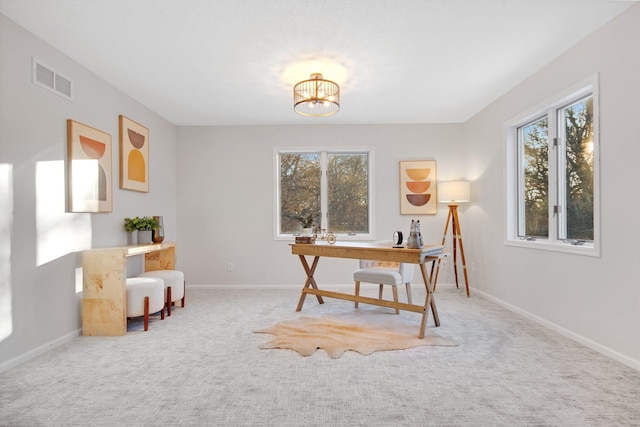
(454, 192)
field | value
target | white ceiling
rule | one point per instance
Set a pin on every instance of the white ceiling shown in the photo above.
(234, 62)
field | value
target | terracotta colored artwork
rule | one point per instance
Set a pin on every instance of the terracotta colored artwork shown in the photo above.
(418, 187)
(88, 169)
(134, 156)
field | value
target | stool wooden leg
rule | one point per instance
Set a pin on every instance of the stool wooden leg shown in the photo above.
(380, 291)
(184, 293)
(146, 313)
(395, 297)
(168, 300)
(357, 292)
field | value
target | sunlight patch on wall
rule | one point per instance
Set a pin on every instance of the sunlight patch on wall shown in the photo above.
(6, 220)
(79, 280)
(59, 232)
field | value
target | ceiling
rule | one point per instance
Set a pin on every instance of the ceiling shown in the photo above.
(234, 62)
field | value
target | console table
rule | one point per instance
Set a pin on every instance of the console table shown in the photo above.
(104, 275)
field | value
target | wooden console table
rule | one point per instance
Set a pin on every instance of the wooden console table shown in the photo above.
(104, 275)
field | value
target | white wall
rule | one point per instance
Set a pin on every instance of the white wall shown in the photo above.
(40, 243)
(595, 300)
(226, 195)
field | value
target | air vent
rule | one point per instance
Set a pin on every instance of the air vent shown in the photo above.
(47, 78)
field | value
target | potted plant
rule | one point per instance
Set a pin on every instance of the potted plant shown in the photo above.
(141, 226)
(307, 224)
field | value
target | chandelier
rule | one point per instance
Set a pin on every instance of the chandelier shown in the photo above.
(316, 97)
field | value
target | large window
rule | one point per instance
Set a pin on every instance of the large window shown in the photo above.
(553, 175)
(331, 188)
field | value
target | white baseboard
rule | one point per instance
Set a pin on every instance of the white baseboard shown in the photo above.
(613, 354)
(25, 357)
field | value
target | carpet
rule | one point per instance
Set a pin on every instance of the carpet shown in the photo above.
(362, 331)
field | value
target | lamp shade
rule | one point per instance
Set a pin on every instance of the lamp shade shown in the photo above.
(316, 97)
(454, 192)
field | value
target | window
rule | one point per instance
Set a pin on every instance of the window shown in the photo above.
(553, 174)
(331, 187)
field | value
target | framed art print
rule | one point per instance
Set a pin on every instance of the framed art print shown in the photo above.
(88, 169)
(418, 187)
(134, 156)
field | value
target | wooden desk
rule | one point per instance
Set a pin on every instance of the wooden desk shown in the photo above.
(369, 251)
(104, 284)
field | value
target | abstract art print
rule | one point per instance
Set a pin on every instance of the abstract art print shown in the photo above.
(134, 156)
(89, 169)
(418, 187)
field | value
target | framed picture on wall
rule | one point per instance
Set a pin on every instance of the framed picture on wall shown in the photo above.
(134, 156)
(89, 175)
(418, 187)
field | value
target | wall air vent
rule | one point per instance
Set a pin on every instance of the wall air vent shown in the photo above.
(44, 76)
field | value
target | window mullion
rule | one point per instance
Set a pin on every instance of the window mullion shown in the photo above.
(555, 207)
(324, 191)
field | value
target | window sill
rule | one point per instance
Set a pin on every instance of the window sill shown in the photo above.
(587, 249)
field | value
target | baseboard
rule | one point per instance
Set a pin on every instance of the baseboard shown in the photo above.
(613, 354)
(32, 354)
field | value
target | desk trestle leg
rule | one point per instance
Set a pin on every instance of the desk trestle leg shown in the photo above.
(310, 282)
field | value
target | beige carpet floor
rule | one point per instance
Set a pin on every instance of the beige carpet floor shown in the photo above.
(203, 367)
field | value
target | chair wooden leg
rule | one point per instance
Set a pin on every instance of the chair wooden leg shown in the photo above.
(395, 297)
(380, 287)
(408, 285)
(184, 293)
(168, 300)
(162, 313)
(357, 292)
(146, 313)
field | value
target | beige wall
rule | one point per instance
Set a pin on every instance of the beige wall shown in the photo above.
(40, 244)
(595, 300)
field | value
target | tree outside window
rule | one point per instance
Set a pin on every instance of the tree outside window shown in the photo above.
(330, 188)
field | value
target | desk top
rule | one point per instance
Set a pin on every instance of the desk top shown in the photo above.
(369, 251)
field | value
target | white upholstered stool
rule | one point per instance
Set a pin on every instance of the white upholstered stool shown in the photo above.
(145, 295)
(174, 283)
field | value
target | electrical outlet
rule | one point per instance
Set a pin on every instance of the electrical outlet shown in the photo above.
(229, 266)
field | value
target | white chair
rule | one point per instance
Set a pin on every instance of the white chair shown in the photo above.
(145, 295)
(384, 273)
(174, 283)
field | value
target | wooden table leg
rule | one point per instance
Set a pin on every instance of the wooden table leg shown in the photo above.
(310, 280)
(429, 303)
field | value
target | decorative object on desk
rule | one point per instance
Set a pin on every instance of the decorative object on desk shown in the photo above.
(331, 238)
(364, 331)
(134, 156)
(306, 221)
(454, 193)
(415, 236)
(417, 187)
(143, 226)
(157, 234)
(305, 239)
(88, 169)
(397, 237)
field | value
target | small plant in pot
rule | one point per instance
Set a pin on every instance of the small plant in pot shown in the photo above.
(141, 226)
(307, 224)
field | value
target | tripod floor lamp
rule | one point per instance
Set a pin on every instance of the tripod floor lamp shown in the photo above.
(454, 193)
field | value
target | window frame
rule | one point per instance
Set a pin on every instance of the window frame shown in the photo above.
(513, 168)
(324, 151)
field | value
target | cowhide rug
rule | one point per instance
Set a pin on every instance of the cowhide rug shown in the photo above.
(363, 331)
